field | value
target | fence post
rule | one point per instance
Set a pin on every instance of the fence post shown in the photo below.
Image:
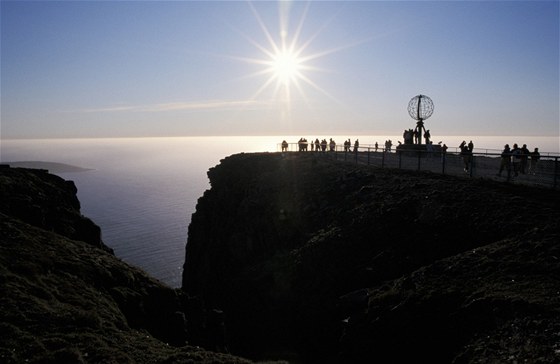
(554, 184)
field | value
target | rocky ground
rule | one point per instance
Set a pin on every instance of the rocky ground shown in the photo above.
(296, 258)
(65, 298)
(317, 261)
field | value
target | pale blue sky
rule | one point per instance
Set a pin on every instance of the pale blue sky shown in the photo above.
(89, 69)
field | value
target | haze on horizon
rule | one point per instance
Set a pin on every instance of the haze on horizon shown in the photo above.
(187, 68)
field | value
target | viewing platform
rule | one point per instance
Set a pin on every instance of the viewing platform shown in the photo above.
(483, 163)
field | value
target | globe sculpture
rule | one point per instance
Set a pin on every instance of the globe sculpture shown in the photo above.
(420, 108)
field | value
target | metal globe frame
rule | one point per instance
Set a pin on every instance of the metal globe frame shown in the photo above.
(420, 108)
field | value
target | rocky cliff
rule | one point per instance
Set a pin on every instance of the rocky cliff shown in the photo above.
(65, 298)
(319, 261)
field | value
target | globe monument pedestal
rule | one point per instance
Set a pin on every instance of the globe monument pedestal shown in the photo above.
(420, 108)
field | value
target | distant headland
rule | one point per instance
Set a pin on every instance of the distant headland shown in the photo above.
(52, 167)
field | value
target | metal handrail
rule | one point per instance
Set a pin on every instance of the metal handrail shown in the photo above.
(481, 164)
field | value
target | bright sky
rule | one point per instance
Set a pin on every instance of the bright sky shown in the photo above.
(140, 68)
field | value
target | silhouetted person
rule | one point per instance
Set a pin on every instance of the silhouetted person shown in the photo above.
(470, 146)
(466, 154)
(535, 157)
(356, 146)
(524, 159)
(516, 159)
(332, 145)
(388, 145)
(505, 162)
(408, 136)
(317, 145)
(427, 136)
(284, 146)
(376, 146)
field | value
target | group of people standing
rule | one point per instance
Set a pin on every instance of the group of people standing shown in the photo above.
(514, 160)
(518, 159)
(411, 136)
(321, 146)
(348, 145)
(388, 146)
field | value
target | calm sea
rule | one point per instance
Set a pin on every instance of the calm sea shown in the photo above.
(143, 191)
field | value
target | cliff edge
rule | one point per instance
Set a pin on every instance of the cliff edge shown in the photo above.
(321, 261)
(64, 296)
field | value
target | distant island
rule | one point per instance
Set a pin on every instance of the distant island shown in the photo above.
(52, 167)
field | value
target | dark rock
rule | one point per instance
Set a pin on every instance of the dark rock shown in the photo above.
(430, 267)
(64, 296)
(48, 202)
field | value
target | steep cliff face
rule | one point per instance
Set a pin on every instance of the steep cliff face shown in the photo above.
(48, 202)
(324, 261)
(65, 298)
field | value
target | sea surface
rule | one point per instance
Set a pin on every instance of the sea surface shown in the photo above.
(143, 191)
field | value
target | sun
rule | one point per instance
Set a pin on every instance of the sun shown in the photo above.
(285, 60)
(286, 67)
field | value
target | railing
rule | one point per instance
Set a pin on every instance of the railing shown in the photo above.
(545, 173)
